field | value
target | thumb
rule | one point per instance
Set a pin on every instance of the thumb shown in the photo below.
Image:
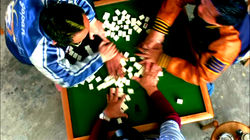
(137, 79)
(91, 36)
(124, 115)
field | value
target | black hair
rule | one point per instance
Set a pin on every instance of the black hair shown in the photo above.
(61, 21)
(231, 12)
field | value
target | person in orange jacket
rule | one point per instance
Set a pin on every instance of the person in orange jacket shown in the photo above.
(215, 42)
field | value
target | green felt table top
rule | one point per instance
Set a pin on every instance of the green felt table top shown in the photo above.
(86, 105)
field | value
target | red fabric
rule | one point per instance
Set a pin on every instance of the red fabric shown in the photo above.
(159, 102)
(164, 108)
(99, 131)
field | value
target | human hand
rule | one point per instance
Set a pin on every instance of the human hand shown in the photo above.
(152, 39)
(113, 109)
(152, 54)
(96, 28)
(114, 66)
(107, 50)
(149, 80)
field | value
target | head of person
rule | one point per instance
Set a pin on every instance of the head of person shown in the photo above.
(66, 24)
(222, 12)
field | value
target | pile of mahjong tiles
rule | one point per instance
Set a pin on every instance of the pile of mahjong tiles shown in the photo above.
(131, 68)
(122, 24)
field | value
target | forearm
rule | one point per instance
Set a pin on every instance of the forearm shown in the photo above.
(99, 130)
(164, 108)
(209, 65)
(57, 68)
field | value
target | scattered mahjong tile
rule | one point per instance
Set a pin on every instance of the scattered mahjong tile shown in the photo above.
(179, 101)
(127, 83)
(130, 69)
(147, 19)
(136, 74)
(120, 90)
(130, 75)
(116, 37)
(127, 22)
(75, 55)
(98, 79)
(124, 12)
(160, 74)
(120, 94)
(127, 38)
(124, 34)
(71, 53)
(124, 107)
(127, 97)
(136, 27)
(115, 18)
(145, 25)
(132, 59)
(119, 120)
(130, 31)
(117, 11)
(128, 16)
(106, 16)
(91, 87)
(138, 22)
(123, 62)
(141, 17)
(126, 54)
(130, 91)
(79, 58)
(139, 30)
(125, 27)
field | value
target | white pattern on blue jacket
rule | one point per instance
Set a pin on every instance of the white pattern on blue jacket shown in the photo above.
(170, 130)
(30, 45)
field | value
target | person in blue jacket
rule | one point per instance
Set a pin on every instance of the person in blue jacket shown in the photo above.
(41, 33)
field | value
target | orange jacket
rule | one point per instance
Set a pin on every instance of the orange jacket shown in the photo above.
(210, 65)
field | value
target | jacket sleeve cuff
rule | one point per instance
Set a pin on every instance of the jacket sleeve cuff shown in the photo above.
(164, 60)
(161, 26)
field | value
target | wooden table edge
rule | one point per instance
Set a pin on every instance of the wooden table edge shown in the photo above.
(208, 114)
(106, 2)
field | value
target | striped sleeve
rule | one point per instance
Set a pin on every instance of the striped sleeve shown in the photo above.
(170, 131)
(161, 26)
(52, 63)
(87, 7)
(164, 60)
(215, 65)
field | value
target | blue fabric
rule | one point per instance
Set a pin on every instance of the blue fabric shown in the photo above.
(170, 131)
(210, 88)
(30, 45)
(244, 29)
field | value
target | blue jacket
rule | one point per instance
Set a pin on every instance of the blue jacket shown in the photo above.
(30, 45)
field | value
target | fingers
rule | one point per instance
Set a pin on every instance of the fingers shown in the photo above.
(91, 36)
(108, 98)
(142, 50)
(112, 93)
(137, 79)
(123, 115)
(147, 67)
(142, 55)
(120, 73)
(116, 95)
(103, 37)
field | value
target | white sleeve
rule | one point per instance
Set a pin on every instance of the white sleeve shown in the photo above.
(51, 62)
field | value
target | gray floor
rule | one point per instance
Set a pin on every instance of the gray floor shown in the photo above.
(31, 107)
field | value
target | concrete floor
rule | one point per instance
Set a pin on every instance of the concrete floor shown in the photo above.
(31, 106)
